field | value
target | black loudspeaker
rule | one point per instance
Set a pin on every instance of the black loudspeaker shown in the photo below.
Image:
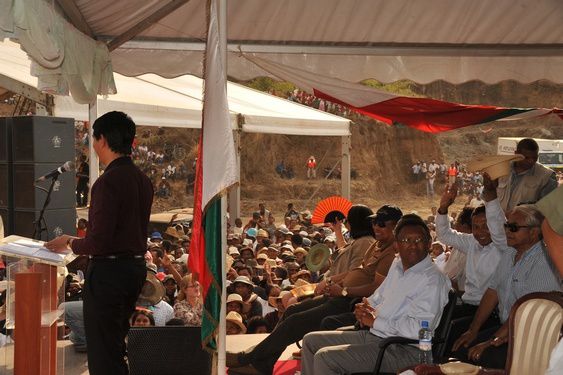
(5, 185)
(183, 353)
(58, 222)
(7, 220)
(4, 139)
(27, 196)
(39, 139)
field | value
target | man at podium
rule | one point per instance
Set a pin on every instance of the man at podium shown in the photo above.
(115, 243)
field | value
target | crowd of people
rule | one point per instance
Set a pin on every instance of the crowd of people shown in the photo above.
(469, 183)
(384, 272)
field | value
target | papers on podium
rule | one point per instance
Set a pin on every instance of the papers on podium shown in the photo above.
(21, 247)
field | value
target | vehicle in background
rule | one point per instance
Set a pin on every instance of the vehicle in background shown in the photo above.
(550, 153)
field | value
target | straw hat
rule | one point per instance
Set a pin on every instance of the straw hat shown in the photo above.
(171, 231)
(273, 300)
(153, 290)
(234, 297)
(234, 317)
(494, 165)
(317, 257)
(303, 289)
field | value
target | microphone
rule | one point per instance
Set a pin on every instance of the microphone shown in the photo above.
(66, 167)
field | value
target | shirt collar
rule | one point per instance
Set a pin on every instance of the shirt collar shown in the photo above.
(420, 267)
(122, 160)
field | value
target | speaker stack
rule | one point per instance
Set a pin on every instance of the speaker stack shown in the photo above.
(34, 146)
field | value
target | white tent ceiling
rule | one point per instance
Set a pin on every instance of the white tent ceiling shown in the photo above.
(422, 40)
(153, 100)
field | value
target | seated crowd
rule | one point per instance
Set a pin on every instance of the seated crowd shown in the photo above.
(383, 272)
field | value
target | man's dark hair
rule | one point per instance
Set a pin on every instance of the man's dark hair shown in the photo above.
(478, 211)
(527, 144)
(166, 245)
(158, 251)
(464, 217)
(297, 239)
(410, 220)
(118, 129)
(255, 322)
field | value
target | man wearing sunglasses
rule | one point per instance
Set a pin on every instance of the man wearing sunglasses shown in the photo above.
(524, 268)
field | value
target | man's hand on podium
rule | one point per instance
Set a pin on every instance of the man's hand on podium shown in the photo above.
(60, 244)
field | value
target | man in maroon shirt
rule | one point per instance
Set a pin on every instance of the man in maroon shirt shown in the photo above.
(115, 243)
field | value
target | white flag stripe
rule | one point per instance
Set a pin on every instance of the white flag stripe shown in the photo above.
(219, 158)
(356, 94)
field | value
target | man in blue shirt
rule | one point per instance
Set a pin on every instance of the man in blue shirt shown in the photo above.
(414, 290)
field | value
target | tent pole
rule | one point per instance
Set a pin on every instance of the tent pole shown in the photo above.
(345, 172)
(222, 339)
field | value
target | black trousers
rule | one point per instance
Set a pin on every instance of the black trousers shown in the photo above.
(110, 293)
(299, 320)
(333, 322)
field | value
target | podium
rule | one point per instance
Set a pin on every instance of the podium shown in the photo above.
(35, 276)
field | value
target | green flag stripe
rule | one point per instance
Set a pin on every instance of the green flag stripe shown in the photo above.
(213, 254)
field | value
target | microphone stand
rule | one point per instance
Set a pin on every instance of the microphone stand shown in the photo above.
(40, 225)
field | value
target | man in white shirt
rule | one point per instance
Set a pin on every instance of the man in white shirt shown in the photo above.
(483, 246)
(413, 291)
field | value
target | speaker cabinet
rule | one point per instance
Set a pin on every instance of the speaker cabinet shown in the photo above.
(4, 138)
(5, 185)
(27, 196)
(58, 222)
(39, 139)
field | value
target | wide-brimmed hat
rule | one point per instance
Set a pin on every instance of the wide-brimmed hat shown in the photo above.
(153, 290)
(273, 300)
(251, 232)
(262, 256)
(317, 257)
(300, 250)
(172, 232)
(494, 165)
(156, 235)
(262, 233)
(234, 317)
(234, 297)
(283, 229)
(244, 280)
(303, 289)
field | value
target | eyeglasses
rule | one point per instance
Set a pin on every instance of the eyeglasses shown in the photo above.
(513, 227)
(408, 241)
(379, 223)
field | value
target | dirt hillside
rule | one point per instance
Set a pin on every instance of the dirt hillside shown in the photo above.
(380, 157)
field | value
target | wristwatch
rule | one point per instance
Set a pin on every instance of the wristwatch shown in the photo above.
(344, 292)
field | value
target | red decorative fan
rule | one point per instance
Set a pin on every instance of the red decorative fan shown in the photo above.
(330, 209)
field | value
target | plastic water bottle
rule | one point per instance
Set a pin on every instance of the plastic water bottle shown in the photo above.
(425, 342)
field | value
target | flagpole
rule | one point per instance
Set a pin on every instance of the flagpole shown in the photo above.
(222, 339)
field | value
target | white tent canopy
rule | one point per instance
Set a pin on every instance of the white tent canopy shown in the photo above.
(422, 40)
(156, 101)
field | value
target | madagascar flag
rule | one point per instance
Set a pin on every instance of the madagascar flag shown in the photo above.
(216, 171)
(424, 114)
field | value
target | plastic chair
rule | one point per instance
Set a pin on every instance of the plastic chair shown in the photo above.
(535, 324)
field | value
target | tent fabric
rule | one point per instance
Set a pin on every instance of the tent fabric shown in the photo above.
(155, 101)
(424, 114)
(63, 59)
(421, 40)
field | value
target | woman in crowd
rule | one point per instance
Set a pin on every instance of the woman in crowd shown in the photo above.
(189, 304)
